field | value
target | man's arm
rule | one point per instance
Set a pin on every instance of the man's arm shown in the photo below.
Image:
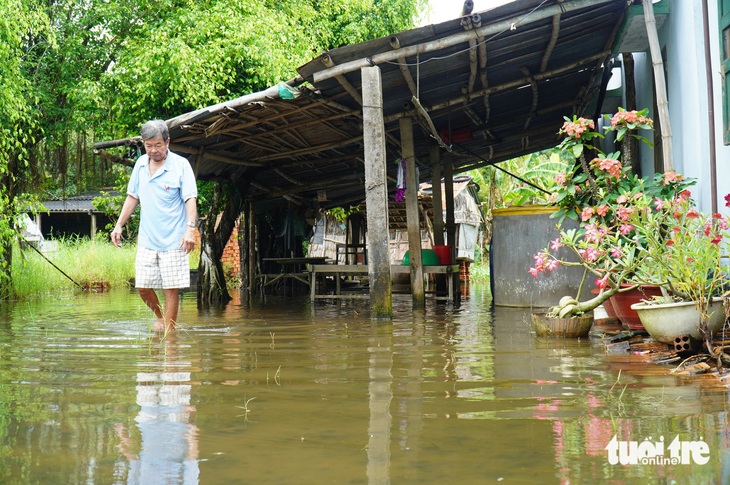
(191, 211)
(130, 203)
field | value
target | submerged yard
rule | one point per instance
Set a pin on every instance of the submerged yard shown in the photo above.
(284, 391)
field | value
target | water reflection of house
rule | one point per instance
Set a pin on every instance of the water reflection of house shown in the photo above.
(331, 235)
(73, 216)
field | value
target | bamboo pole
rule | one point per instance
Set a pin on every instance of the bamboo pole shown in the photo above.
(660, 85)
(376, 195)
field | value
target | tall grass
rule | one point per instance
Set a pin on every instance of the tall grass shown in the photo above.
(85, 261)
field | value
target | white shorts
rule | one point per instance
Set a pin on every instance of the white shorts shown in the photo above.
(162, 269)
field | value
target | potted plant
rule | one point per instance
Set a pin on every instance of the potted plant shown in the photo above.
(602, 195)
(684, 254)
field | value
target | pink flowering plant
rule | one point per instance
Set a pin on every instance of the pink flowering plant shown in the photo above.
(618, 241)
(685, 248)
(596, 185)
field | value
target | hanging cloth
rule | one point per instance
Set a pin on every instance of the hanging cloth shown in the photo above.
(400, 186)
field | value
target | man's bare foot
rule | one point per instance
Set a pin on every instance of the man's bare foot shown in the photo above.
(159, 326)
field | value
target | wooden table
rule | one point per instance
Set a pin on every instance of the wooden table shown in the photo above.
(291, 268)
(339, 270)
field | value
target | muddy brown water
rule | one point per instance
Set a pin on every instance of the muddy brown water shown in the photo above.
(282, 391)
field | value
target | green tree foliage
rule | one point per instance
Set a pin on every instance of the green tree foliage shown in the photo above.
(18, 123)
(538, 168)
(74, 72)
(196, 53)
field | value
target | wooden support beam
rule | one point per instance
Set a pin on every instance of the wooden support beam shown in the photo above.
(476, 21)
(438, 212)
(214, 156)
(450, 220)
(551, 45)
(327, 61)
(449, 196)
(251, 266)
(309, 150)
(404, 69)
(535, 98)
(412, 215)
(198, 161)
(376, 195)
(473, 67)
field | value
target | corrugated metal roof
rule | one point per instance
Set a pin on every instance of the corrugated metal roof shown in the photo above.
(78, 203)
(542, 60)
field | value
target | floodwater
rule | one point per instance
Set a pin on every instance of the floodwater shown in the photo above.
(282, 391)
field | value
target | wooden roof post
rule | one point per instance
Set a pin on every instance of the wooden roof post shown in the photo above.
(450, 220)
(376, 195)
(438, 205)
(412, 213)
(449, 196)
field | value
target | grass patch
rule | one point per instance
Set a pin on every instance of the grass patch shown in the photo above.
(85, 261)
(479, 272)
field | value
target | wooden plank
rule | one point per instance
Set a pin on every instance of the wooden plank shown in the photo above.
(338, 268)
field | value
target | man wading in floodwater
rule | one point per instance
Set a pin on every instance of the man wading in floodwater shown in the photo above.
(163, 184)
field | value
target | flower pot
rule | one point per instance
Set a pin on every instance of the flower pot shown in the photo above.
(622, 302)
(667, 321)
(574, 327)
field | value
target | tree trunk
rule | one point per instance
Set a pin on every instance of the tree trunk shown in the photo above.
(8, 230)
(211, 277)
(6, 282)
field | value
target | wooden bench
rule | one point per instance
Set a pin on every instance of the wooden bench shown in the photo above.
(339, 270)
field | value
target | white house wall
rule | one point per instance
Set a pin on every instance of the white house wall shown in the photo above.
(682, 39)
(723, 151)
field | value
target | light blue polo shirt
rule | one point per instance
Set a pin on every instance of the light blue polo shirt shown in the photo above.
(162, 201)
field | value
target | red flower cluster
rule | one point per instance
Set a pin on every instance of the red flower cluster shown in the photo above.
(577, 128)
(608, 165)
(630, 117)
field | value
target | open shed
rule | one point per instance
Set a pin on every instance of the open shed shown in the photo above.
(457, 95)
(71, 217)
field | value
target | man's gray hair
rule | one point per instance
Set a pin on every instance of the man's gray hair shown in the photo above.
(155, 128)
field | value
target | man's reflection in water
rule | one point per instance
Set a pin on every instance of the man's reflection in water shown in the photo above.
(169, 437)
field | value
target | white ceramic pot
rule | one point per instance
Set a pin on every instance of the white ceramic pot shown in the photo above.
(667, 321)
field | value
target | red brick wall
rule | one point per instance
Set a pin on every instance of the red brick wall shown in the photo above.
(232, 253)
(231, 258)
